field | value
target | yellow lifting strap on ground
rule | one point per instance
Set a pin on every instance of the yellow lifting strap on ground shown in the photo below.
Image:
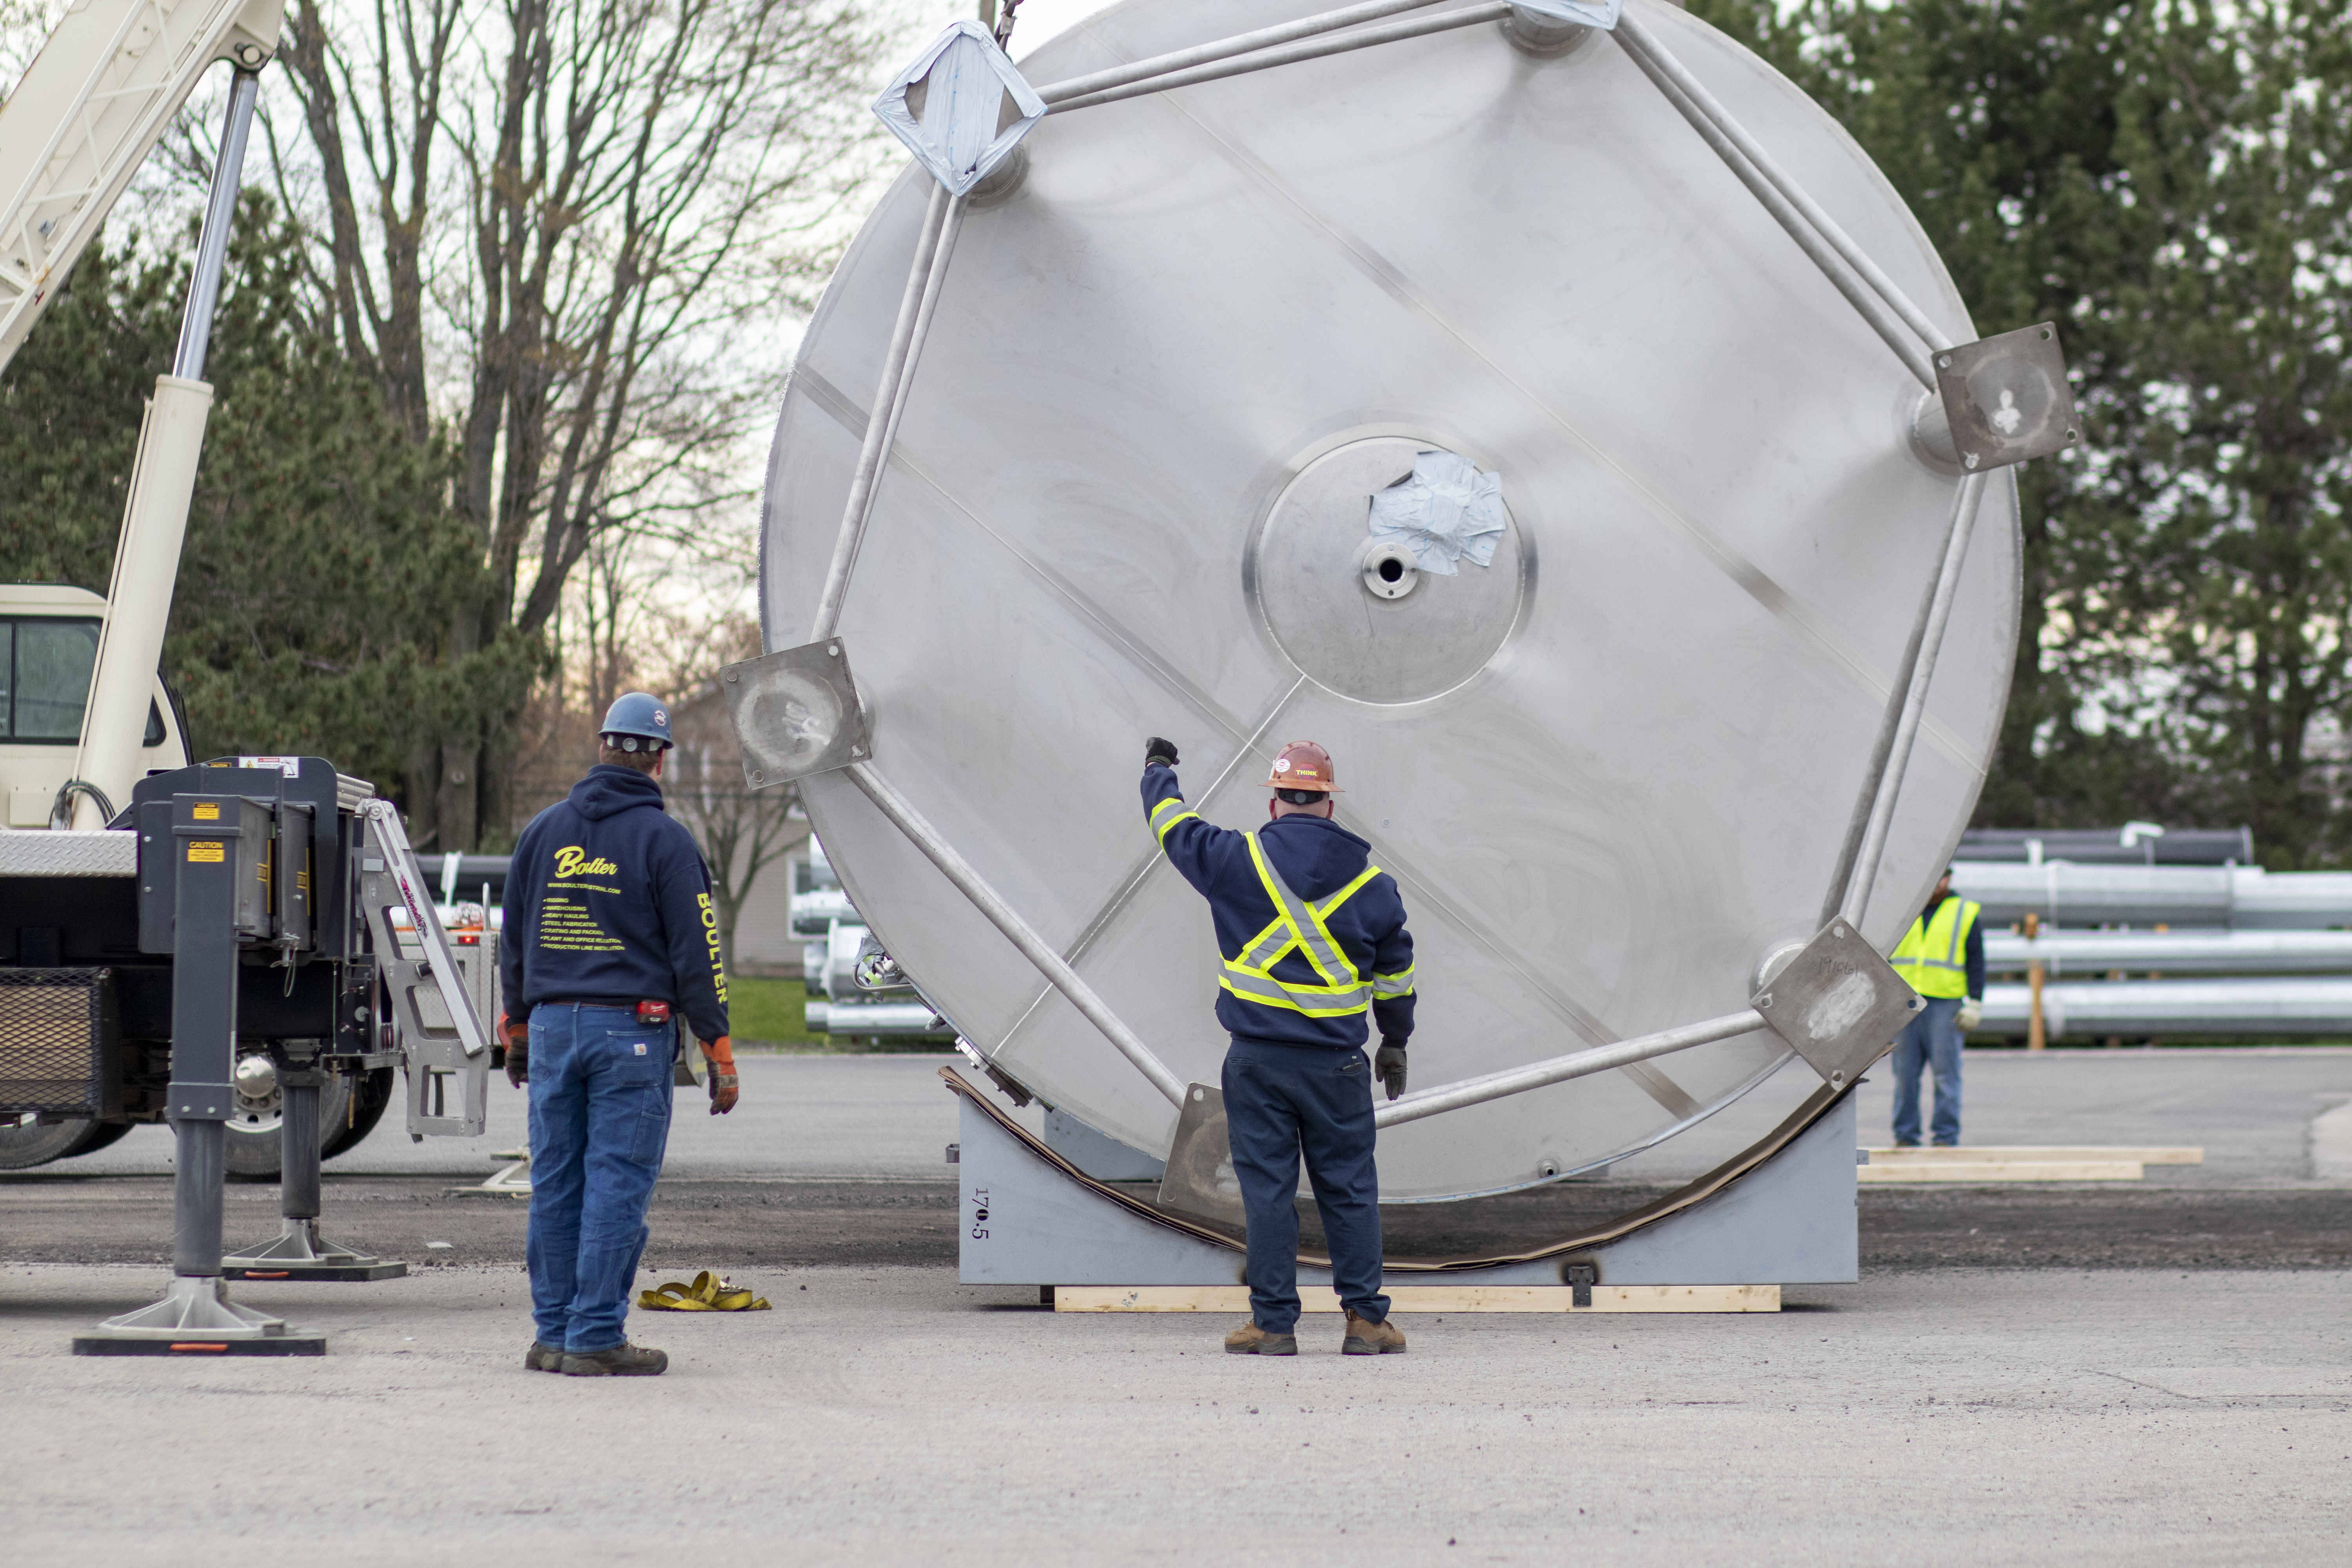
(708, 1293)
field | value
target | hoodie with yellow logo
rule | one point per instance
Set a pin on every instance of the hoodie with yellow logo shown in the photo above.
(608, 900)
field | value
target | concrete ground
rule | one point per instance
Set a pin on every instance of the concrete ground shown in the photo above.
(891, 1416)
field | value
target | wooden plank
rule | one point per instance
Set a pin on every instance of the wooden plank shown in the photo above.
(2035, 1154)
(1914, 1172)
(1432, 1298)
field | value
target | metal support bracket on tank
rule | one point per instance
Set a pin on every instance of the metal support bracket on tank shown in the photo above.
(1835, 1001)
(795, 712)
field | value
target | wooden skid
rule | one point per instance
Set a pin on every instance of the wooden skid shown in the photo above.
(2032, 1155)
(1432, 1298)
(1910, 1172)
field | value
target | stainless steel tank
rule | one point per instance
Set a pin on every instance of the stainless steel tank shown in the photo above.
(1612, 770)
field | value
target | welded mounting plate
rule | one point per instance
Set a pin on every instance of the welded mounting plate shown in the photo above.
(960, 106)
(795, 712)
(1200, 1179)
(1838, 1004)
(2007, 397)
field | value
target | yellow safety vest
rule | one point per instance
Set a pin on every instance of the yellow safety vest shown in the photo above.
(1933, 954)
(1299, 926)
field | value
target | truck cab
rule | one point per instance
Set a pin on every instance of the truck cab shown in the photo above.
(48, 649)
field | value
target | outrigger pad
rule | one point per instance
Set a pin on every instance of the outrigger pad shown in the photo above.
(1200, 1179)
(334, 1273)
(2007, 398)
(1838, 1004)
(797, 712)
(295, 1343)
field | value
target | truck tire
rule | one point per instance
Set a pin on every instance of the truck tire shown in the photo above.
(375, 1094)
(257, 1112)
(108, 1134)
(25, 1142)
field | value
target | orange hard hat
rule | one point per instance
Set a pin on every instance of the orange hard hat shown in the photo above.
(1303, 765)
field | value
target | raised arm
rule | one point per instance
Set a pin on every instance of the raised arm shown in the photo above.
(1191, 844)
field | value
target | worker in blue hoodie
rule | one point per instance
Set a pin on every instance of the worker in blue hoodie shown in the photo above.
(1314, 943)
(610, 938)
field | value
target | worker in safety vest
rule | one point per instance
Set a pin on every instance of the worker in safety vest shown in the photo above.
(610, 943)
(1313, 939)
(1942, 955)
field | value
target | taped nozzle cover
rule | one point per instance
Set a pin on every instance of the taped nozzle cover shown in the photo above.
(1445, 512)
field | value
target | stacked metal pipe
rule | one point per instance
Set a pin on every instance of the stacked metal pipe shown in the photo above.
(2153, 950)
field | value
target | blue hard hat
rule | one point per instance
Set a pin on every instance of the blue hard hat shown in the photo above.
(639, 715)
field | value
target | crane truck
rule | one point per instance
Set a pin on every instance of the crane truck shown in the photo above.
(246, 948)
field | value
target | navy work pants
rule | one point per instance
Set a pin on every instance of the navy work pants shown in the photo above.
(599, 1102)
(1932, 1040)
(1282, 1102)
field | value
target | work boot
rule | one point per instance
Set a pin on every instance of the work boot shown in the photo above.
(1364, 1338)
(542, 1358)
(1251, 1339)
(624, 1359)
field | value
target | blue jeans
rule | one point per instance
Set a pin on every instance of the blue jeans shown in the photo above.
(1931, 1039)
(1281, 1101)
(599, 1102)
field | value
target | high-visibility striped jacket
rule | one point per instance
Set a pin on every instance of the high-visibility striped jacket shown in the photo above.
(1311, 933)
(1942, 955)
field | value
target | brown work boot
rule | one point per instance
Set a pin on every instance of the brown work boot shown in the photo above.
(624, 1359)
(542, 1358)
(1251, 1339)
(1382, 1338)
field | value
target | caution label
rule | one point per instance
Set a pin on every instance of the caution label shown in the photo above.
(206, 850)
(205, 811)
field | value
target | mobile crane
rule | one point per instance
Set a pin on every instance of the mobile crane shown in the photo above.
(182, 944)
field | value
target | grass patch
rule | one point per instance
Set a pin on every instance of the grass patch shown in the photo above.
(769, 1013)
(772, 1015)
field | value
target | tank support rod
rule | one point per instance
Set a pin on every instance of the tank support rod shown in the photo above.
(934, 279)
(1226, 48)
(1313, 49)
(1888, 785)
(1641, 40)
(991, 903)
(1867, 288)
(932, 246)
(1560, 1069)
(1866, 798)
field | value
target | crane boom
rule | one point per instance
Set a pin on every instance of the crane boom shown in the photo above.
(94, 101)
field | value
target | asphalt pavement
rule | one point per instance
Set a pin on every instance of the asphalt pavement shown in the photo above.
(869, 1117)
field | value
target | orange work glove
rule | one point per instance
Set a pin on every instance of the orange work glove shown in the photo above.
(514, 1034)
(724, 1088)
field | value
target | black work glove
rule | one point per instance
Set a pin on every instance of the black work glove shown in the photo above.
(1156, 750)
(515, 1034)
(1388, 1066)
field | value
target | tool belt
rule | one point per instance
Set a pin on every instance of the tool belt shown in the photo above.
(647, 1011)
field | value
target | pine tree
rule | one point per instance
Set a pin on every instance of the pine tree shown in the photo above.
(323, 549)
